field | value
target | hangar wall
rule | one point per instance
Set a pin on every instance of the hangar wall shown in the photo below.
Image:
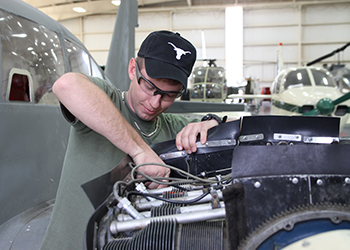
(307, 32)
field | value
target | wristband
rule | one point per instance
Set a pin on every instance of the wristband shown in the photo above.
(209, 117)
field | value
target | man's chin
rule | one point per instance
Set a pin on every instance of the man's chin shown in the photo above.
(148, 118)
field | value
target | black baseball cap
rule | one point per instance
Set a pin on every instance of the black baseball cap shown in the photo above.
(168, 56)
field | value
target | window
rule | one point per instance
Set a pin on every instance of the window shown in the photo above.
(297, 78)
(81, 62)
(322, 78)
(30, 53)
(78, 59)
(19, 86)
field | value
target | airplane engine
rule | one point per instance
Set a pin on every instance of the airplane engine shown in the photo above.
(264, 182)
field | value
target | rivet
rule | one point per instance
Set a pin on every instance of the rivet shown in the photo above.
(295, 180)
(257, 184)
(319, 182)
(347, 180)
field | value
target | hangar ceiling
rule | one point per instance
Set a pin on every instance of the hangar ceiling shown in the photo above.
(63, 9)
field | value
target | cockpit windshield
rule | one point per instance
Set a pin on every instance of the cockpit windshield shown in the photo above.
(323, 78)
(208, 83)
(297, 78)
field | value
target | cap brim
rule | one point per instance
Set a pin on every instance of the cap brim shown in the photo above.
(162, 70)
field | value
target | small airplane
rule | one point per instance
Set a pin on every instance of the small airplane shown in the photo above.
(35, 51)
(305, 90)
(309, 90)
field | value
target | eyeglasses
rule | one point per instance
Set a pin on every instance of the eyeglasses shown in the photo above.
(150, 89)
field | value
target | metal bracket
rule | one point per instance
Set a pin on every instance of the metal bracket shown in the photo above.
(319, 139)
(254, 137)
(287, 137)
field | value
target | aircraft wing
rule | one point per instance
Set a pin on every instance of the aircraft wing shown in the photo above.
(247, 96)
(191, 107)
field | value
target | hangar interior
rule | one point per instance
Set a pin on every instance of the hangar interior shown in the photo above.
(306, 29)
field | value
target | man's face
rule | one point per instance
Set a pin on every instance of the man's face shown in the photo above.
(140, 95)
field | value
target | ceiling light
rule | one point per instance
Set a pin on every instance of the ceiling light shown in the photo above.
(79, 9)
(116, 2)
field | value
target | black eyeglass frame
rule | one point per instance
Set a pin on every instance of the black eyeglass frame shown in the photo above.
(158, 91)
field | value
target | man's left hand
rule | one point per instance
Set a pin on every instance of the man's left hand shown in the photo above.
(186, 139)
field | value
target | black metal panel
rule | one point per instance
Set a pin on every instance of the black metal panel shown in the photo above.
(99, 188)
(334, 189)
(206, 163)
(267, 196)
(206, 158)
(296, 125)
(291, 159)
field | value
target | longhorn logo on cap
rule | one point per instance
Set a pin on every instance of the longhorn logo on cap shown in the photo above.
(179, 52)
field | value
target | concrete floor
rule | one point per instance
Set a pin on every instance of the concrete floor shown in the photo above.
(26, 230)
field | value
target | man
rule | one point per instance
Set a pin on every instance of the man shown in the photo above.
(107, 124)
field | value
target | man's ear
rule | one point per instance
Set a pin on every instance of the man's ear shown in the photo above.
(132, 68)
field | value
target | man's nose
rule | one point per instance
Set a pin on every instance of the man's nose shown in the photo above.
(156, 100)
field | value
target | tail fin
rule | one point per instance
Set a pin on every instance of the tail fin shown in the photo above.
(279, 58)
(122, 47)
(204, 47)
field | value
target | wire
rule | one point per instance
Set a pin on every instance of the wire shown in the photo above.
(167, 200)
(169, 181)
(156, 180)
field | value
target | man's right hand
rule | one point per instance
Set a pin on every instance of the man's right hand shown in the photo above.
(151, 170)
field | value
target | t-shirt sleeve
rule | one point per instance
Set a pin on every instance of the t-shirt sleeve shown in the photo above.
(109, 89)
(177, 122)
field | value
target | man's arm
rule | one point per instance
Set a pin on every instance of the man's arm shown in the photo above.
(92, 106)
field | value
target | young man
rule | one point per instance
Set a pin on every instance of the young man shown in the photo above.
(107, 124)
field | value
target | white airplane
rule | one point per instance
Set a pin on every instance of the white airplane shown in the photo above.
(308, 91)
(305, 90)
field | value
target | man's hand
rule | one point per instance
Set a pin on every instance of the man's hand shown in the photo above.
(187, 137)
(151, 170)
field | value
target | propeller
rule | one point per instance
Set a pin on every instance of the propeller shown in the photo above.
(326, 106)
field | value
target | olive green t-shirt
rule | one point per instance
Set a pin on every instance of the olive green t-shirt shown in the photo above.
(90, 155)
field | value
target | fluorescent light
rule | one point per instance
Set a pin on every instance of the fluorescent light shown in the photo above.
(79, 9)
(19, 35)
(117, 3)
(234, 45)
